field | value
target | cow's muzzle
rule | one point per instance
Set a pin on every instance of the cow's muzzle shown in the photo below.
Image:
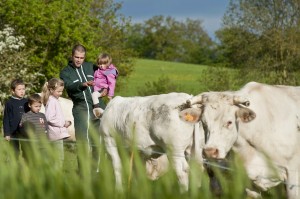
(211, 153)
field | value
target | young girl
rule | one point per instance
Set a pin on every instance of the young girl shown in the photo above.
(57, 124)
(105, 81)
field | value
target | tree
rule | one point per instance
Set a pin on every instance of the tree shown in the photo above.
(262, 38)
(52, 27)
(14, 62)
(164, 38)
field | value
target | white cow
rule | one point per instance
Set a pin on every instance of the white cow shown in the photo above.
(260, 169)
(155, 124)
(258, 120)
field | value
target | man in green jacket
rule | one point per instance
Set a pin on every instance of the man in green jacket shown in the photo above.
(78, 77)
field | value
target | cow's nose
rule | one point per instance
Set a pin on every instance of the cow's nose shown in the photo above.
(211, 152)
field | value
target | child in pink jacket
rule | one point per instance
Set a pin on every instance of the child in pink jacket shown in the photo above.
(105, 81)
(57, 125)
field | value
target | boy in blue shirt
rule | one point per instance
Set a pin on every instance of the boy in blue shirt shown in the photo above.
(15, 106)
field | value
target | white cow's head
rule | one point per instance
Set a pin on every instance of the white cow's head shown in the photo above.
(221, 113)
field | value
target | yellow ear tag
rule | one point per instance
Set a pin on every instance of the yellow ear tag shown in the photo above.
(188, 117)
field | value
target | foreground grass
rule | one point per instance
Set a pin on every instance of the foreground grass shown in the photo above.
(39, 178)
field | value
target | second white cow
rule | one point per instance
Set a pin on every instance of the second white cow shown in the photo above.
(259, 121)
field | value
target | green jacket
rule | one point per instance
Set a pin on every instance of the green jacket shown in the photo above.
(73, 78)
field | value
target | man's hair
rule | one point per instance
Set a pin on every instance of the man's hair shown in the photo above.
(79, 48)
(15, 83)
(34, 98)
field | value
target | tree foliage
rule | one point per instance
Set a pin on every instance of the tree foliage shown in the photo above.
(161, 86)
(52, 27)
(164, 38)
(14, 62)
(262, 38)
(218, 79)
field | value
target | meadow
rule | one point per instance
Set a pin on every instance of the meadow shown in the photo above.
(40, 178)
(184, 76)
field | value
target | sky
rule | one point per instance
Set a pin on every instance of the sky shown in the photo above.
(209, 11)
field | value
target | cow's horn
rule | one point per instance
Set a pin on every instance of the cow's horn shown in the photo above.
(194, 100)
(241, 100)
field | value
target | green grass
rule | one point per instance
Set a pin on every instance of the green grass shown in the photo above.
(39, 178)
(184, 76)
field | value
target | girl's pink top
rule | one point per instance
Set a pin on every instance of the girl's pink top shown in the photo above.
(106, 79)
(56, 120)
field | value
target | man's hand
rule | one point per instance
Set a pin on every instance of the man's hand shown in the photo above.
(88, 83)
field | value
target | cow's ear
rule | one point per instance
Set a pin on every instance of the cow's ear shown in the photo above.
(245, 114)
(191, 115)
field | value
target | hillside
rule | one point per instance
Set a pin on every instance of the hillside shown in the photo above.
(184, 76)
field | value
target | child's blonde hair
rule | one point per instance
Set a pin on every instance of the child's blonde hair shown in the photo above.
(104, 58)
(53, 84)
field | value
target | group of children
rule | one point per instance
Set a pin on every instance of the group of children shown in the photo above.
(22, 116)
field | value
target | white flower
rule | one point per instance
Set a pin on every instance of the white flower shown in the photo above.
(9, 41)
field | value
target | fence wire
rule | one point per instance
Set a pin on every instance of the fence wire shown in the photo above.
(205, 161)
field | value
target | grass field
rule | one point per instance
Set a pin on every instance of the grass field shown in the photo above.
(184, 76)
(40, 178)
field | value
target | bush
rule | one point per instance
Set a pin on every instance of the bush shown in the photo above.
(162, 85)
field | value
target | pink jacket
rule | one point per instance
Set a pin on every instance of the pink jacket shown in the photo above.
(56, 120)
(106, 79)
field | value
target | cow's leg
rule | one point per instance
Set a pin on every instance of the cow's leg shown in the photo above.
(182, 169)
(292, 186)
(112, 150)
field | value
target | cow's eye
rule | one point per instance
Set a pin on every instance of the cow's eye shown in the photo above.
(228, 124)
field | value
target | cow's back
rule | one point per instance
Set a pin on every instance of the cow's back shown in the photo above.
(150, 120)
(275, 130)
